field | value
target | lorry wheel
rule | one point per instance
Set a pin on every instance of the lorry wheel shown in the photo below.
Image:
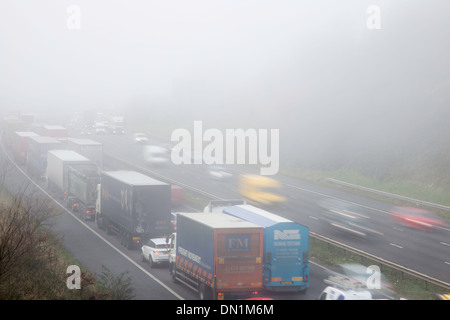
(105, 223)
(174, 276)
(100, 223)
(125, 240)
(205, 292)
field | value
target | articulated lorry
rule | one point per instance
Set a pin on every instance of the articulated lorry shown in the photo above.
(82, 189)
(133, 206)
(285, 247)
(92, 150)
(38, 147)
(55, 131)
(217, 255)
(58, 162)
(20, 145)
(9, 126)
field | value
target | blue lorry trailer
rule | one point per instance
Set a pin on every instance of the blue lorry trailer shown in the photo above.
(285, 248)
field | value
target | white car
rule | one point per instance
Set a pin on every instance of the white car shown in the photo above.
(332, 293)
(219, 173)
(156, 251)
(344, 288)
(100, 128)
(155, 155)
(140, 138)
(362, 274)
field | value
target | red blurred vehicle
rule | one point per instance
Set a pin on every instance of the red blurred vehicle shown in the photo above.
(417, 218)
(178, 197)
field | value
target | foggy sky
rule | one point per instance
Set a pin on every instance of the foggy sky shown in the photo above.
(311, 68)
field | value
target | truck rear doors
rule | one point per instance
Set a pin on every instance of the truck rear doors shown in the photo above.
(238, 260)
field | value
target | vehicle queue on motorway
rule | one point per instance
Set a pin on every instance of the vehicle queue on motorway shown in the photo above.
(138, 209)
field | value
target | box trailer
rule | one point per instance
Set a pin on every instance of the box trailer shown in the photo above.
(38, 147)
(9, 126)
(55, 131)
(134, 206)
(58, 162)
(217, 255)
(20, 145)
(92, 150)
(286, 247)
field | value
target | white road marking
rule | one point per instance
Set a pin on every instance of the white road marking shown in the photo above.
(97, 234)
(396, 245)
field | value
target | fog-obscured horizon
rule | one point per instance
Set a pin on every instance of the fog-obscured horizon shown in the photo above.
(340, 93)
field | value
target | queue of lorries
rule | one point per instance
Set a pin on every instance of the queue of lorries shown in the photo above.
(230, 250)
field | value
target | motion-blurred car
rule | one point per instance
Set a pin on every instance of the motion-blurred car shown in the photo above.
(156, 251)
(140, 138)
(155, 155)
(178, 197)
(417, 218)
(100, 128)
(86, 131)
(347, 217)
(362, 274)
(117, 130)
(445, 296)
(262, 191)
(219, 173)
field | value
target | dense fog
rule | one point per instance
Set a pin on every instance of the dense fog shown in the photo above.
(348, 83)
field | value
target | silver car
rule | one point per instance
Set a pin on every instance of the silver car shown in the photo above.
(140, 138)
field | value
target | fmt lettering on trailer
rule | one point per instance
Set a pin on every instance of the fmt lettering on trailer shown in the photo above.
(238, 243)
